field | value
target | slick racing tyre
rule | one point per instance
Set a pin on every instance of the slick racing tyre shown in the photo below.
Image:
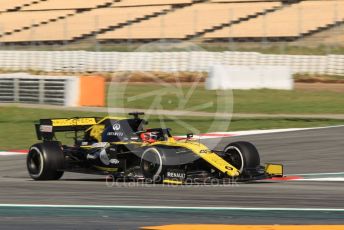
(152, 165)
(242, 155)
(45, 161)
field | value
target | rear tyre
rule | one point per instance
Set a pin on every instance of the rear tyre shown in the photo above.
(242, 155)
(45, 161)
(152, 165)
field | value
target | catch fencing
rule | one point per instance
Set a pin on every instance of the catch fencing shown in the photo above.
(84, 61)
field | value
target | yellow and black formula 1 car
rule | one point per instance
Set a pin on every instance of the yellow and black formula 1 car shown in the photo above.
(123, 148)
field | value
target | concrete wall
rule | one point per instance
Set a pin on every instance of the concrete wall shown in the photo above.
(250, 77)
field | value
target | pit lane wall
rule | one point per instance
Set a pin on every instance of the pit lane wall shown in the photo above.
(53, 90)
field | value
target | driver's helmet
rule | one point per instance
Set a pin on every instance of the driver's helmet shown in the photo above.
(149, 137)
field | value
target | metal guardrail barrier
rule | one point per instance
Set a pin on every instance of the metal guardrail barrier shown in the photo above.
(25, 88)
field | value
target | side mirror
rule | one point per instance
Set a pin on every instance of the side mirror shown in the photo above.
(189, 135)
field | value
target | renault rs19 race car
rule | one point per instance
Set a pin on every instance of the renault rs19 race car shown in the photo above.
(124, 149)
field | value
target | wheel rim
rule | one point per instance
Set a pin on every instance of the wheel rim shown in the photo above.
(234, 156)
(151, 167)
(151, 164)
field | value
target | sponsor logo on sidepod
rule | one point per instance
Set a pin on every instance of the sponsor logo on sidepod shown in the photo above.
(116, 126)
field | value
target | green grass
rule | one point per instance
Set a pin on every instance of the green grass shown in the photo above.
(17, 124)
(17, 131)
(289, 102)
(142, 96)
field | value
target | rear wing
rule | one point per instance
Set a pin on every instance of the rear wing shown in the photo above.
(46, 128)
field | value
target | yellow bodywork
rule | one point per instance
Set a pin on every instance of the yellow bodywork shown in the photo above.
(197, 148)
(107, 169)
(205, 153)
(96, 132)
(172, 182)
(74, 121)
(97, 129)
(274, 169)
(81, 121)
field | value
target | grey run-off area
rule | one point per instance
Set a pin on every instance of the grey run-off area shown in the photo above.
(310, 151)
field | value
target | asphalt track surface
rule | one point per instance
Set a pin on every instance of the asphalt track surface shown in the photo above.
(310, 151)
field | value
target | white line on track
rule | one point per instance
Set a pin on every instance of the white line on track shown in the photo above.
(169, 207)
(322, 177)
(333, 179)
(11, 153)
(257, 132)
(318, 174)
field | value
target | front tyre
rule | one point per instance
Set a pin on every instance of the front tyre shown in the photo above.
(45, 161)
(242, 155)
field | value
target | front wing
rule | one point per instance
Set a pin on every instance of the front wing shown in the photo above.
(263, 172)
